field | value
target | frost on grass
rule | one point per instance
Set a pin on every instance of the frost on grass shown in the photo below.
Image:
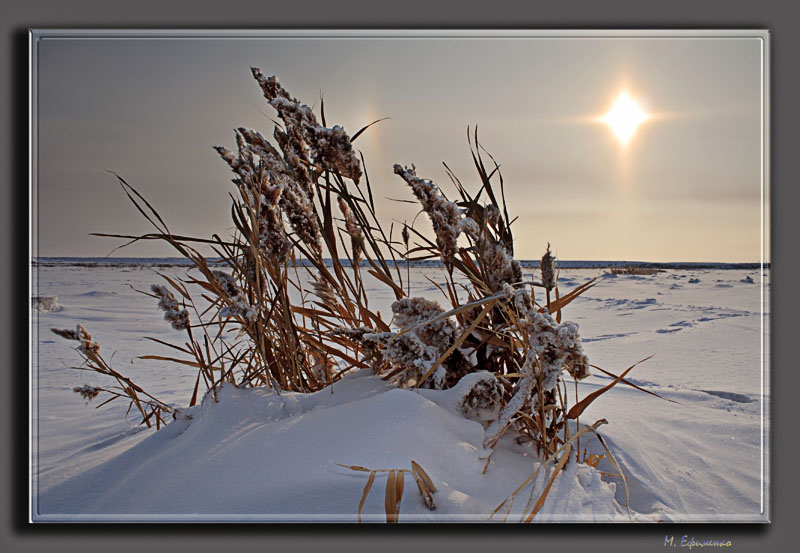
(326, 148)
(237, 304)
(445, 216)
(548, 269)
(177, 316)
(425, 335)
(552, 348)
(479, 396)
(80, 334)
(353, 229)
(449, 221)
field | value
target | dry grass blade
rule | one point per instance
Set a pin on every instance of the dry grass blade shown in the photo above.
(632, 385)
(186, 362)
(420, 472)
(390, 499)
(193, 399)
(579, 407)
(387, 280)
(424, 484)
(365, 127)
(367, 488)
(181, 289)
(558, 306)
(543, 496)
(395, 484)
(399, 485)
(355, 467)
(533, 476)
(565, 300)
(427, 497)
(619, 470)
(167, 344)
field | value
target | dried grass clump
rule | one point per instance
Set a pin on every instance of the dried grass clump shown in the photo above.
(45, 304)
(395, 484)
(306, 227)
(150, 408)
(634, 270)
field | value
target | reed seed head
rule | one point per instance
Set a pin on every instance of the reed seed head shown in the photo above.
(87, 392)
(548, 268)
(445, 216)
(177, 316)
(80, 334)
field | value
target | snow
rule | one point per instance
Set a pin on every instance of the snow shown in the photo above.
(253, 455)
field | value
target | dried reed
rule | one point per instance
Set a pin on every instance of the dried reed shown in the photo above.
(634, 270)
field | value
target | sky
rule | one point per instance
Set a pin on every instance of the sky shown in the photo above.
(687, 187)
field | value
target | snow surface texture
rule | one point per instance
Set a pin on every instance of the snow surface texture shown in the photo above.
(256, 456)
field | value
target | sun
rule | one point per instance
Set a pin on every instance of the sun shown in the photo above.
(624, 118)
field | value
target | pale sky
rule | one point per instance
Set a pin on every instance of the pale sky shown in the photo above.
(686, 188)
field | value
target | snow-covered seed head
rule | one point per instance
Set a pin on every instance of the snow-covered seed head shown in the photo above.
(420, 312)
(445, 216)
(481, 396)
(228, 284)
(492, 215)
(87, 392)
(178, 317)
(548, 269)
(299, 211)
(353, 229)
(498, 264)
(322, 289)
(328, 149)
(557, 347)
(332, 150)
(262, 195)
(281, 182)
(80, 334)
(67, 333)
(236, 303)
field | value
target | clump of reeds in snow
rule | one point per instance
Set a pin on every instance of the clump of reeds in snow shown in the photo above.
(285, 211)
(285, 219)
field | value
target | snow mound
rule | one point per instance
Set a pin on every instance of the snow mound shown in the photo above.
(251, 454)
(45, 304)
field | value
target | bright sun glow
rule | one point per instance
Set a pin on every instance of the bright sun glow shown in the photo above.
(624, 117)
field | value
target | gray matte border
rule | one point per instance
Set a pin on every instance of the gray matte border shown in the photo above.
(16, 17)
(37, 35)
